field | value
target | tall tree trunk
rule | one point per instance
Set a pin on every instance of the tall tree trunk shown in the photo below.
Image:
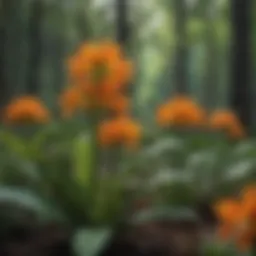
(181, 58)
(254, 58)
(212, 57)
(14, 52)
(53, 44)
(4, 89)
(34, 46)
(241, 59)
(122, 31)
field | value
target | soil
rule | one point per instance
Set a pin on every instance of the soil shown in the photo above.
(48, 240)
(150, 239)
(165, 238)
(159, 239)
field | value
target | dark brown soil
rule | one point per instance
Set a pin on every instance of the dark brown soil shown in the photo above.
(49, 240)
(149, 239)
(159, 239)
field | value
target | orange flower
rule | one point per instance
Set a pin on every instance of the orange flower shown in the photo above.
(238, 219)
(180, 111)
(228, 211)
(100, 63)
(71, 100)
(228, 122)
(118, 105)
(121, 130)
(249, 200)
(100, 71)
(26, 109)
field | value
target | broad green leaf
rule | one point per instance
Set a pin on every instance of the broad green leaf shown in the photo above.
(165, 214)
(107, 201)
(15, 170)
(90, 242)
(39, 139)
(168, 177)
(239, 170)
(166, 150)
(165, 145)
(99, 202)
(179, 193)
(26, 200)
(82, 159)
(244, 149)
(217, 249)
(13, 143)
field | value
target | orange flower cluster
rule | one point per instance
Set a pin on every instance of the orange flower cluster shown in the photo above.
(121, 130)
(238, 218)
(26, 110)
(99, 72)
(181, 111)
(228, 122)
(71, 100)
(100, 64)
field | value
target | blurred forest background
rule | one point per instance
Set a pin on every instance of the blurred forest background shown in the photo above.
(206, 48)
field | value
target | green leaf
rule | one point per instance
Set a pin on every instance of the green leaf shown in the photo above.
(26, 200)
(13, 143)
(90, 242)
(165, 214)
(15, 170)
(169, 144)
(179, 193)
(40, 138)
(107, 201)
(217, 249)
(82, 159)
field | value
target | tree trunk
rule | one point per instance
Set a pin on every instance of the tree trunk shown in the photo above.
(34, 47)
(241, 59)
(211, 75)
(122, 32)
(14, 47)
(181, 58)
(4, 89)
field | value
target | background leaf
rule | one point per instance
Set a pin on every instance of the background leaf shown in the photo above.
(90, 242)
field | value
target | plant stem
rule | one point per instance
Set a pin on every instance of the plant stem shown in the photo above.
(95, 165)
(96, 161)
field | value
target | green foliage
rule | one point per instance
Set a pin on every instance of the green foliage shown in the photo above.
(51, 170)
(82, 159)
(20, 206)
(219, 250)
(90, 242)
(56, 163)
(174, 168)
(198, 165)
(164, 214)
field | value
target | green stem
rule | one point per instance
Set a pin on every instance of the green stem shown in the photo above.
(96, 164)
(95, 120)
